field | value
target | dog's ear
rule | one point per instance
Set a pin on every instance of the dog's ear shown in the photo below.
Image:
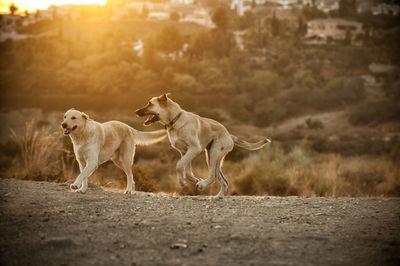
(85, 116)
(164, 97)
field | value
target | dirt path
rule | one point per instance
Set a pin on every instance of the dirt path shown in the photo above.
(45, 224)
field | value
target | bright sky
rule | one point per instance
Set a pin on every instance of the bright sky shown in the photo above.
(32, 5)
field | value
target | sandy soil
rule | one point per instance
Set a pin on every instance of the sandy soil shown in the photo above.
(46, 224)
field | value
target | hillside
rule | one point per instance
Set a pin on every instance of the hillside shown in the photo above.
(44, 223)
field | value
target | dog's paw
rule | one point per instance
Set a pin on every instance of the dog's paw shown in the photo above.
(217, 197)
(182, 182)
(73, 186)
(128, 192)
(201, 184)
(82, 191)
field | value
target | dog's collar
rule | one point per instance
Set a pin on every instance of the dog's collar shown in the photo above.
(173, 121)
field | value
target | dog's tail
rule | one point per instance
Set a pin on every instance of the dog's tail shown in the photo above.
(147, 138)
(248, 145)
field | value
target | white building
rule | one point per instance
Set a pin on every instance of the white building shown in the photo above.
(319, 31)
(386, 9)
(158, 15)
(240, 7)
(182, 2)
(200, 16)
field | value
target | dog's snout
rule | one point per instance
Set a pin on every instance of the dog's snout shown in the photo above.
(139, 112)
(64, 125)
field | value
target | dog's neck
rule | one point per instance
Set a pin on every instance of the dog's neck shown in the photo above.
(81, 135)
(172, 113)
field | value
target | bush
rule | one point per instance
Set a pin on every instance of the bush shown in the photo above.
(272, 172)
(184, 82)
(267, 83)
(36, 151)
(374, 111)
(343, 91)
(314, 124)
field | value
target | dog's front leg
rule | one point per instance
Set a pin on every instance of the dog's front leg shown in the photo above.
(190, 175)
(81, 180)
(84, 186)
(191, 153)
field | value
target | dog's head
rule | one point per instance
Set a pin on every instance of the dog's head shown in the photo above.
(155, 109)
(73, 120)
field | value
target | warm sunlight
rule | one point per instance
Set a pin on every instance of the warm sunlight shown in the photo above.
(32, 5)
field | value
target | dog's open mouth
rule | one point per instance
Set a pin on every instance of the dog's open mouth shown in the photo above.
(151, 119)
(68, 131)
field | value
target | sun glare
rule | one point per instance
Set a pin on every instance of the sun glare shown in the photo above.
(32, 5)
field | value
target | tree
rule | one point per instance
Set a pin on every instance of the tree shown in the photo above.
(145, 12)
(169, 40)
(220, 18)
(275, 25)
(347, 8)
(13, 8)
(175, 16)
(222, 43)
(248, 20)
(200, 44)
(312, 12)
(37, 14)
(55, 13)
(302, 26)
(348, 37)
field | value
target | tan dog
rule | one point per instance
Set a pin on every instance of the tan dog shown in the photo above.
(95, 143)
(190, 134)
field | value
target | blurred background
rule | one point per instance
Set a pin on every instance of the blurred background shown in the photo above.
(321, 78)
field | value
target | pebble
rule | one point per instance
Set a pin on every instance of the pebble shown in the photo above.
(178, 246)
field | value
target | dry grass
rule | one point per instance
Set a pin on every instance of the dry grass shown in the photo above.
(271, 172)
(44, 155)
(37, 157)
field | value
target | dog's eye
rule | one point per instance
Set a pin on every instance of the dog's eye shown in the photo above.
(150, 103)
(73, 117)
(65, 116)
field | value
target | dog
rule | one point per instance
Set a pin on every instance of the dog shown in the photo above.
(95, 143)
(190, 134)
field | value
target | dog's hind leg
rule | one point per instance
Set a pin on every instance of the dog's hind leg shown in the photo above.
(124, 160)
(212, 158)
(222, 180)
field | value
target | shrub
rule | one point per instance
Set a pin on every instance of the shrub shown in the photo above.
(314, 124)
(374, 111)
(36, 151)
(184, 82)
(267, 83)
(272, 172)
(343, 91)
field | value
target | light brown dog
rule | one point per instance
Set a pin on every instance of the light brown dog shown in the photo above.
(191, 134)
(95, 143)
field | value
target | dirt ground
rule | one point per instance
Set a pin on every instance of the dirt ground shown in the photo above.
(46, 224)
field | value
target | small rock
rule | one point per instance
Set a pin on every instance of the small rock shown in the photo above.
(178, 246)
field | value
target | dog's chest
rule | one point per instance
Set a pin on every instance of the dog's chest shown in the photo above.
(177, 142)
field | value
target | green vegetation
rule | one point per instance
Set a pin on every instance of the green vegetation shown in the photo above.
(262, 76)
